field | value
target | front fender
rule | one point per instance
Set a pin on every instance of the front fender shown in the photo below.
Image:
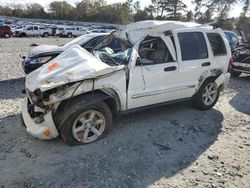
(68, 106)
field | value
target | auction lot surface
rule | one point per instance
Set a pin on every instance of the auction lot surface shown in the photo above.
(170, 146)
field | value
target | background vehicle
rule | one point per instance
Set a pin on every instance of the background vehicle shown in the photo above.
(74, 32)
(2, 23)
(33, 31)
(241, 54)
(77, 94)
(232, 39)
(5, 32)
(45, 53)
(15, 28)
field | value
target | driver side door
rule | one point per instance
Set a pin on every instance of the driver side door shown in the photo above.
(153, 79)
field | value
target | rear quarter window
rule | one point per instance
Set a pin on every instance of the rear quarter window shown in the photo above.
(193, 46)
(217, 44)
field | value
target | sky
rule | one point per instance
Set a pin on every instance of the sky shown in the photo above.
(235, 12)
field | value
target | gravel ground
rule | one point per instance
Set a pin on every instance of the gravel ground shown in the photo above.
(170, 146)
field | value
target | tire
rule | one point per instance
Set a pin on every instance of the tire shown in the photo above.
(23, 35)
(205, 100)
(45, 34)
(79, 128)
(69, 35)
(6, 35)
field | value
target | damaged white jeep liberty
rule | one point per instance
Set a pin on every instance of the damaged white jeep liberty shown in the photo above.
(76, 94)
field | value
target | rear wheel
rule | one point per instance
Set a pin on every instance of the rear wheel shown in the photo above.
(69, 35)
(86, 124)
(207, 96)
(45, 34)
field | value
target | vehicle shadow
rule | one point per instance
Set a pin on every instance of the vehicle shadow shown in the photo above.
(241, 100)
(141, 148)
(12, 89)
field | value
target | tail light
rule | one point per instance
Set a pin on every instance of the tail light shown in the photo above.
(230, 65)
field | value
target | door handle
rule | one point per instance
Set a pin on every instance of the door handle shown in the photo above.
(170, 68)
(206, 64)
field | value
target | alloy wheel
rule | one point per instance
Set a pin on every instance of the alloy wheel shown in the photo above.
(89, 126)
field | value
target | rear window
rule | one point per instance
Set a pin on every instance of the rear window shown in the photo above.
(217, 44)
(193, 46)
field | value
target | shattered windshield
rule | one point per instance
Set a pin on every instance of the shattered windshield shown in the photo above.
(113, 51)
(107, 55)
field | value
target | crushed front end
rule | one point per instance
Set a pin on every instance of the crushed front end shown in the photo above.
(38, 121)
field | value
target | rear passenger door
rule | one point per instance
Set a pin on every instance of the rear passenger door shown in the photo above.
(220, 48)
(194, 57)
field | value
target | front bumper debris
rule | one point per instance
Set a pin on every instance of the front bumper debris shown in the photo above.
(44, 130)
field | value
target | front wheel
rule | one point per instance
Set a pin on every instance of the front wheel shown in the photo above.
(86, 124)
(6, 35)
(207, 96)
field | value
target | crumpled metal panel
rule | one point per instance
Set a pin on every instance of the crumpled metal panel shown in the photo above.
(74, 64)
(139, 30)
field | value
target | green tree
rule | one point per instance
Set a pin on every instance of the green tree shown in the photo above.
(197, 9)
(142, 15)
(190, 16)
(167, 9)
(5, 11)
(137, 6)
(17, 10)
(35, 10)
(246, 6)
(61, 9)
(175, 9)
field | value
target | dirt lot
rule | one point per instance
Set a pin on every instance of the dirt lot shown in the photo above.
(170, 146)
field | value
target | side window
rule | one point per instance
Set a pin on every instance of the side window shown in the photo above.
(30, 28)
(153, 50)
(35, 28)
(217, 44)
(193, 46)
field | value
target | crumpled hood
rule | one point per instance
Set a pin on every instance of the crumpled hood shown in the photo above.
(74, 64)
(45, 49)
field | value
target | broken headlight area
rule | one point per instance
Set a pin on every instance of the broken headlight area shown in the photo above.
(41, 60)
(38, 97)
(35, 114)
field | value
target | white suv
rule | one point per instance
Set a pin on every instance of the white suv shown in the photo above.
(77, 93)
(74, 31)
(33, 31)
